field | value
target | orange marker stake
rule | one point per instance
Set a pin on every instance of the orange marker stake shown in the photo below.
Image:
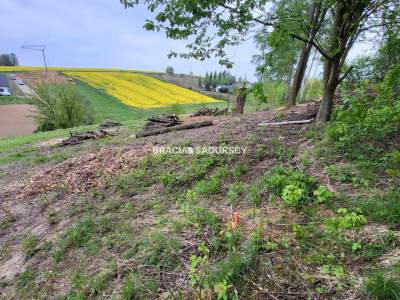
(235, 222)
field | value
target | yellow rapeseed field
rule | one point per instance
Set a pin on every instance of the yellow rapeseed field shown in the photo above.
(139, 90)
(58, 69)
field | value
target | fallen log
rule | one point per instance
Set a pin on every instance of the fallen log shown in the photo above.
(286, 122)
(154, 123)
(78, 137)
(174, 128)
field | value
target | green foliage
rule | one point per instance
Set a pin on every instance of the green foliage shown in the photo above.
(161, 250)
(60, 106)
(254, 194)
(8, 59)
(382, 285)
(334, 270)
(383, 208)
(236, 190)
(222, 289)
(209, 186)
(275, 92)
(212, 79)
(312, 90)
(52, 217)
(292, 195)
(346, 220)
(239, 170)
(366, 118)
(25, 279)
(322, 194)
(258, 92)
(280, 151)
(198, 269)
(136, 286)
(295, 187)
(76, 236)
(29, 245)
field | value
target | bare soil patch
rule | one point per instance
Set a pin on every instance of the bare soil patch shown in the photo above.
(16, 119)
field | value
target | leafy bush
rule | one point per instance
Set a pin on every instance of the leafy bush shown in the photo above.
(346, 220)
(295, 187)
(60, 106)
(366, 117)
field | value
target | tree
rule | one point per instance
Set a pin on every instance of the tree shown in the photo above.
(14, 59)
(8, 60)
(350, 19)
(316, 17)
(233, 21)
(199, 82)
(169, 70)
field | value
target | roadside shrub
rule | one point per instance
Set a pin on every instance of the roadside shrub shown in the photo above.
(60, 106)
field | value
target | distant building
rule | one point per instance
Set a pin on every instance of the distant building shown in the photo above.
(4, 86)
(221, 89)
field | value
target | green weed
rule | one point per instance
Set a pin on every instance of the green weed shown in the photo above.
(29, 245)
(382, 285)
(76, 236)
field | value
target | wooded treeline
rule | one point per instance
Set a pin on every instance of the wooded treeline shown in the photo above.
(213, 79)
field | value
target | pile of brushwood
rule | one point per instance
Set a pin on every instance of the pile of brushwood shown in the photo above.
(108, 123)
(210, 112)
(79, 137)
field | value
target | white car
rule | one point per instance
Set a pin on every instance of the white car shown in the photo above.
(4, 92)
(12, 76)
(19, 82)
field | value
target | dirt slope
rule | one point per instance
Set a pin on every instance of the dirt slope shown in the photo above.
(109, 221)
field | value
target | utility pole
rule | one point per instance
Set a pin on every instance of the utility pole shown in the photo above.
(41, 48)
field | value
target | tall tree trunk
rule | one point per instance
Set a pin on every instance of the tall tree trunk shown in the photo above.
(332, 66)
(299, 74)
(332, 79)
(316, 16)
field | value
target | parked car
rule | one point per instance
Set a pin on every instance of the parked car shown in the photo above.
(5, 91)
(19, 82)
(12, 76)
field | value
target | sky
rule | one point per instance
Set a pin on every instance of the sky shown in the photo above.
(101, 33)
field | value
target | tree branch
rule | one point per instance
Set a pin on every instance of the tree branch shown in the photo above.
(345, 75)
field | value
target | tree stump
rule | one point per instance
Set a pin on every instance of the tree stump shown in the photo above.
(240, 100)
